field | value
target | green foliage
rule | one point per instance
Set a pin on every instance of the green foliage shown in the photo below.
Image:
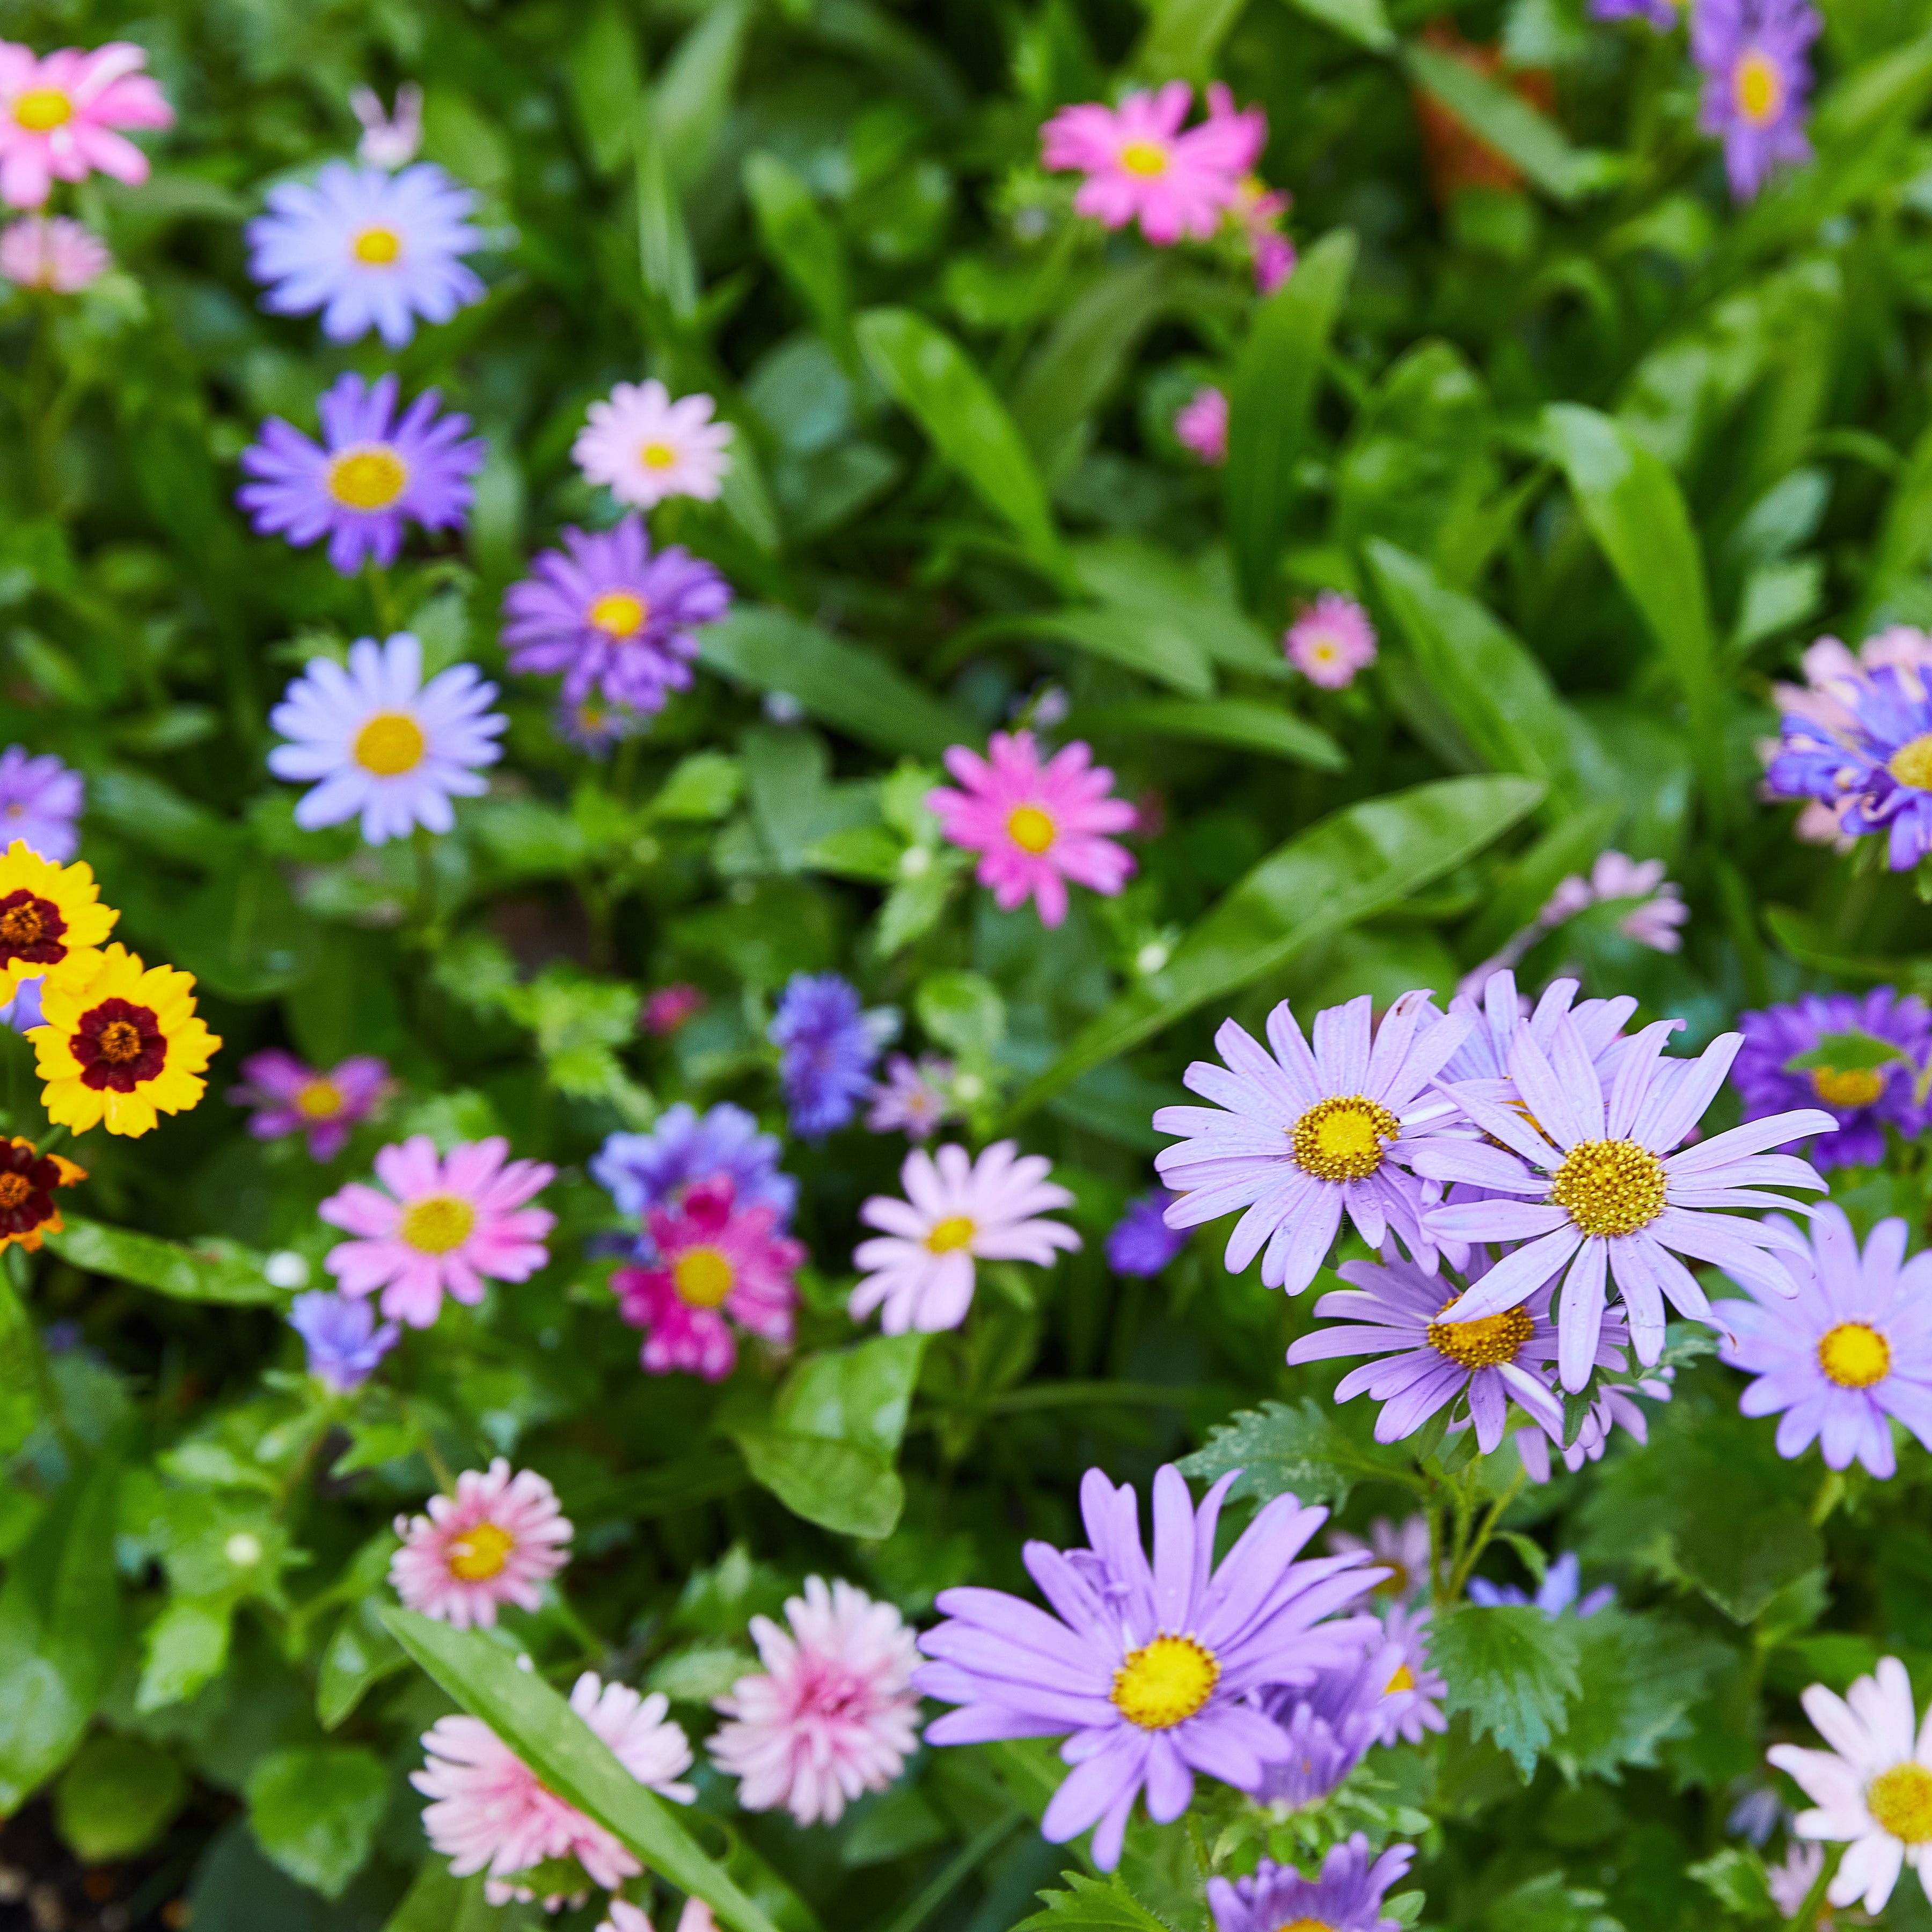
(1514, 1671)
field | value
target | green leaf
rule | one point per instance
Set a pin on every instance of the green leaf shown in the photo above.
(1271, 403)
(361, 1654)
(437, 1902)
(1503, 120)
(664, 243)
(746, 497)
(212, 1270)
(1852, 1052)
(1142, 640)
(1121, 570)
(807, 249)
(693, 93)
(840, 684)
(184, 1649)
(1735, 1878)
(937, 384)
(860, 1394)
(314, 1812)
(1285, 1449)
(606, 84)
(574, 1762)
(1243, 723)
(1513, 1670)
(1637, 515)
(20, 1369)
(963, 1010)
(1522, 890)
(1364, 22)
(1640, 1676)
(117, 1797)
(1356, 863)
(244, 934)
(841, 1486)
(1088, 1901)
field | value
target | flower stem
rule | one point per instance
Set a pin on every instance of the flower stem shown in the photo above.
(383, 597)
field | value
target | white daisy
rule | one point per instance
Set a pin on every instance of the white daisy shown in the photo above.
(643, 447)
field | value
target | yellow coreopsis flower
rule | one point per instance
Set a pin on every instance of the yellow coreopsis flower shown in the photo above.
(52, 921)
(121, 1046)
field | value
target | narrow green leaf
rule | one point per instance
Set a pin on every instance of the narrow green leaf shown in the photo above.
(20, 1366)
(694, 93)
(1364, 22)
(1183, 36)
(664, 243)
(1145, 640)
(1358, 861)
(213, 1269)
(1121, 570)
(1513, 1668)
(605, 84)
(808, 251)
(1271, 403)
(937, 384)
(360, 1655)
(571, 1759)
(1505, 122)
(746, 497)
(1242, 722)
(435, 1902)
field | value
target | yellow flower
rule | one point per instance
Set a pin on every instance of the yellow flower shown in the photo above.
(27, 1183)
(52, 920)
(121, 1045)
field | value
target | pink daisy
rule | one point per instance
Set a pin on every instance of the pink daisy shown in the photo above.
(1035, 826)
(1407, 1631)
(1139, 165)
(58, 255)
(1201, 425)
(921, 1269)
(491, 1812)
(1331, 641)
(643, 447)
(712, 1262)
(443, 1226)
(58, 117)
(833, 1715)
(496, 1541)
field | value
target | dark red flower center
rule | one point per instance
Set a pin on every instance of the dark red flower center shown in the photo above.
(118, 1045)
(30, 929)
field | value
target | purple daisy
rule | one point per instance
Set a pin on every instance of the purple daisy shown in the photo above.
(1347, 1897)
(1306, 1135)
(1757, 75)
(370, 473)
(1500, 1015)
(826, 1046)
(291, 1098)
(1407, 1629)
(1661, 14)
(1141, 1244)
(39, 800)
(22, 1012)
(1862, 1099)
(1402, 1548)
(1150, 1667)
(641, 1171)
(345, 1346)
(1851, 1348)
(1613, 1405)
(1555, 1594)
(913, 1098)
(1331, 1724)
(595, 728)
(610, 617)
(1611, 1187)
(1878, 771)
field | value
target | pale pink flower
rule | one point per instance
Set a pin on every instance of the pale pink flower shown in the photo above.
(59, 254)
(442, 1227)
(1331, 641)
(643, 447)
(1790, 1883)
(1201, 425)
(921, 1268)
(833, 1715)
(58, 117)
(1034, 825)
(1139, 165)
(496, 1541)
(1652, 921)
(491, 1812)
(388, 141)
(696, 1917)
(621, 1915)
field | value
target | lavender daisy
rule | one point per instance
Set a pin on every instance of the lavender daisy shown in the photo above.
(1400, 1549)
(1407, 1630)
(1661, 14)
(1331, 1724)
(595, 728)
(611, 616)
(1555, 1594)
(1613, 1405)
(1850, 1349)
(371, 473)
(39, 800)
(913, 1098)
(371, 249)
(1610, 1190)
(1757, 74)
(1141, 1244)
(1149, 1667)
(641, 1171)
(289, 1097)
(1862, 1100)
(345, 1346)
(1306, 1135)
(826, 1046)
(1497, 1014)
(1347, 1897)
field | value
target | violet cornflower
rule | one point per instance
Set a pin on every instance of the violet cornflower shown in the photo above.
(1141, 1244)
(345, 1344)
(1555, 1594)
(641, 1171)
(827, 1047)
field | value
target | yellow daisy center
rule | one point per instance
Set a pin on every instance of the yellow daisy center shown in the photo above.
(702, 1276)
(1147, 159)
(41, 109)
(1404, 1679)
(1341, 1138)
(1911, 764)
(1030, 828)
(1850, 1087)
(1308, 1925)
(391, 743)
(376, 247)
(1395, 1583)
(1484, 1342)
(477, 1557)
(956, 1230)
(1757, 85)
(618, 613)
(319, 1100)
(1854, 1355)
(1900, 1800)
(1165, 1682)
(371, 478)
(1609, 1187)
(437, 1223)
(657, 456)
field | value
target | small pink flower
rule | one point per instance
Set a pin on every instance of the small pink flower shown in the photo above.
(711, 1263)
(643, 447)
(57, 254)
(1331, 641)
(496, 1541)
(449, 1224)
(669, 1007)
(1035, 825)
(58, 117)
(491, 1812)
(1139, 165)
(289, 1097)
(1652, 921)
(1201, 425)
(912, 1097)
(388, 141)
(833, 1714)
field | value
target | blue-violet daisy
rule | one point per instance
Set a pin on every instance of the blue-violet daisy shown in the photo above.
(1757, 74)
(1347, 1897)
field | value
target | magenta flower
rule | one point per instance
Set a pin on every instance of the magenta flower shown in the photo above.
(1307, 1134)
(1347, 1897)
(642, 447)
(667, 1008)
(1851, 1349)
(497, 1541)
(1598, 1172)
(58, 117)
(711, 1261)
(833, 1714)
(291, 1098)
(442, 1227)
(1201, 424)
(56, 254)
(1150, 1667)
(1331, 641)
(1034, 825)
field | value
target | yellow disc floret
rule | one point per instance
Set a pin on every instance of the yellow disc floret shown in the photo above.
(1031, 829)
(1343, 1138)
(658, 456)
(1900, 1800)
(437, 1223)
(1850, 1087)
(52, 921)
(371, 478)
(39, 110)
(1757, 85)
(955, 1231)
(1485, 1342)
(618, 613)
(1609, 1187)
(389, 743)
(702, 1276)
(1147, 159)
(1911, 764)
(1165, 1682)
(1854, 1355)
(376, 247)
(482, 1554)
